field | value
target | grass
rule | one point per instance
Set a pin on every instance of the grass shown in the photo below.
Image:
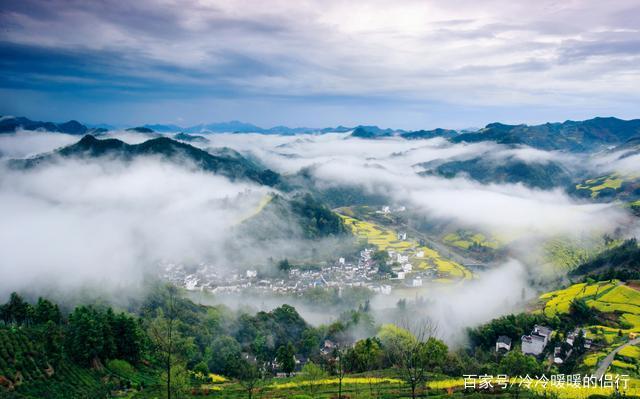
(386, 239)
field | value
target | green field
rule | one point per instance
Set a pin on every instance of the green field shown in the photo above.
(613, 181)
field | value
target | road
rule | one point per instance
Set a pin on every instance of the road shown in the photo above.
(606, 362)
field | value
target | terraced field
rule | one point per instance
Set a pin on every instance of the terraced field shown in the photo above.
(420, 256)
(465, 239)
(613, 181)
(611, 297)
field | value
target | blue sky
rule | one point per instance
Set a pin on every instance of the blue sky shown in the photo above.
(404, 64)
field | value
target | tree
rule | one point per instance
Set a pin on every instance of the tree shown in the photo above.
(285, 358)
(128, 337)
(226, 352)
(413, 352)
(17, 310)
(284, 265)
(46, 311)
(250, 376)
(169, 344)
(516, 363)
(312, 376)
(339, 368)
(85, 338)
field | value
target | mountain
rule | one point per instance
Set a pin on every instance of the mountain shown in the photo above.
(229, 164)
(191, 138)
(242, 127)
(575, 136)
(373, 132)
(140, 129)
(429, 134)
(544, 175)
(10, 124)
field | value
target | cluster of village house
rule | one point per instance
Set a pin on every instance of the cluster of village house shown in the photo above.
(326, 350)
(341, 274)
(535, 343)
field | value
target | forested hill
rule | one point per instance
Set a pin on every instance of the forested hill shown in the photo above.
(579, 136)
(231, 165)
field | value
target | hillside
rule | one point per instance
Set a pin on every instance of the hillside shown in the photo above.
(576, 136)
(229, 164)
(511, 170)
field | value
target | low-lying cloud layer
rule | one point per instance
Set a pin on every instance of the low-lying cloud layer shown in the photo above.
(106, 223)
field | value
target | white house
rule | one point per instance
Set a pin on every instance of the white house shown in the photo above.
(415, 282)
(534, 343)
(407, 268)
(402, 236)
(401, 275)
(341, 261)
(420, 254)
(503, 344)
(252, 273)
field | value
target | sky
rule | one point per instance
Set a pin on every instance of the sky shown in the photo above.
(403, 64)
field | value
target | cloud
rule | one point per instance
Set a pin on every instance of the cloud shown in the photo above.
(453, 308)
(78, 224)
(23, 144)
(411, 63)
(105, 224)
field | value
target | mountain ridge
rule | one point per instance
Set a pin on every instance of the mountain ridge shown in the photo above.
(574, 136)
(232, 165)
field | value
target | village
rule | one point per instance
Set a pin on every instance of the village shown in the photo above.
(340, 274)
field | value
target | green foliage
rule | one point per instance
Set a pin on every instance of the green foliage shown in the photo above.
(365, 355)
(225, 356)
(624, 257)
(285, 358)
(513, 326)
(312, 375)
(319, 221)
(515, 363)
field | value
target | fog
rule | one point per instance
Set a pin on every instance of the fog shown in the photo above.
(75, 224)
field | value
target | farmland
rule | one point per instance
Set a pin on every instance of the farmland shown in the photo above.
(620, 305)
(421, 256)
(466, 239)
(596, 185)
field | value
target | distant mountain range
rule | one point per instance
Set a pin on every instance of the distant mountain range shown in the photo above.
(575, 136)
(224, 161)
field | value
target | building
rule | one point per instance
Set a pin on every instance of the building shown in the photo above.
(503, 344)
(252, 273)
(415, 282)
(534, 343)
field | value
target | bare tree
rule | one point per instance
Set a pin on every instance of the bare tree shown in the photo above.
(163, 331)
(340, 368)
